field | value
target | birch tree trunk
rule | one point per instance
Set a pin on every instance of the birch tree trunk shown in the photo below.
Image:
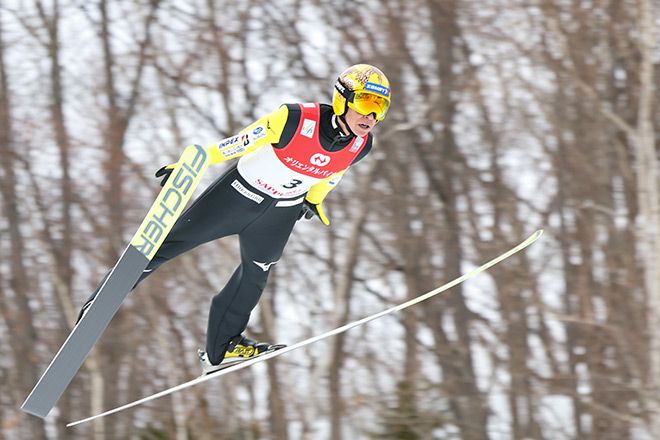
(649, 199)
(345, 284)
(467, 403)
(277, 401)
(14, 306)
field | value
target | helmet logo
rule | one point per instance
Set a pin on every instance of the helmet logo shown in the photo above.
(339, 86)
(320, 160)
(377, 88)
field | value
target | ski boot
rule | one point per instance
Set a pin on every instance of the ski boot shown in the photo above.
(239, 349)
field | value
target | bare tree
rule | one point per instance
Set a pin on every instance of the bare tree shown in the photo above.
(506, 117)
(15, 309)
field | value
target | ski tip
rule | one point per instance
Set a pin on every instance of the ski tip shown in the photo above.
(531, 239)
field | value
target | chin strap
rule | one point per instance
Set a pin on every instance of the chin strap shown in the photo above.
(350, 132)
(340, 136)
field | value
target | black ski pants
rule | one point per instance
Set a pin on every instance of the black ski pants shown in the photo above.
(231, 206)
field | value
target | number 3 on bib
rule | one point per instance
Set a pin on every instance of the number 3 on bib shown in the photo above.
(292, 184)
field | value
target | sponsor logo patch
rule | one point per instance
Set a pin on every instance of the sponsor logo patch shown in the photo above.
(377, 88)
(258, 132)
(230, 147)
(320, 160)
(229, 141)
(308, 128)
(356, 145)
(306, 168)
(246, 192)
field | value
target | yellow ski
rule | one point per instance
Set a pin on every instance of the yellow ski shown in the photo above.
(167, 208)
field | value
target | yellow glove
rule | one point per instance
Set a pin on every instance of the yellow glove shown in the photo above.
(313, 200)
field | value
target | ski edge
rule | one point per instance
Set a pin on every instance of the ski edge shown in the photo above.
(531, 239)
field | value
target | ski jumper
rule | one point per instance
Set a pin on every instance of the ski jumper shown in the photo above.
(297, 152)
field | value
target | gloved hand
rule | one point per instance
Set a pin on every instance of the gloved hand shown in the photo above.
(165, 171)
(310, 210)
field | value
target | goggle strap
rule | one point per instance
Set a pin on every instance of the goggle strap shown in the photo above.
(343, 90)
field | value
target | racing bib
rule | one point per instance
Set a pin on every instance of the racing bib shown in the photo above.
(292, 170)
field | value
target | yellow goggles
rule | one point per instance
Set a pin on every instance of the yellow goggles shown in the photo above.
(366, 103)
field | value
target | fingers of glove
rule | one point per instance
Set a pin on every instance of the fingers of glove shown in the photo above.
(322, 216)
(167, 169)
(165, 172)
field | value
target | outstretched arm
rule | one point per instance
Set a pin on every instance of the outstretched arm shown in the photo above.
(266, 130)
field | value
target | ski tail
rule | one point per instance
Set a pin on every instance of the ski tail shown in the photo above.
(151, 234)
(474, 272)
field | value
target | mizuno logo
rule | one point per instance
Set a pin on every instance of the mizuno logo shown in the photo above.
(264, 266)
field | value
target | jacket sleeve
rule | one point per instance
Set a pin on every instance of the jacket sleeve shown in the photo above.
(318, 192)
(266, 130)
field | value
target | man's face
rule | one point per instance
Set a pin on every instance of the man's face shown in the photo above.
(360, 124)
